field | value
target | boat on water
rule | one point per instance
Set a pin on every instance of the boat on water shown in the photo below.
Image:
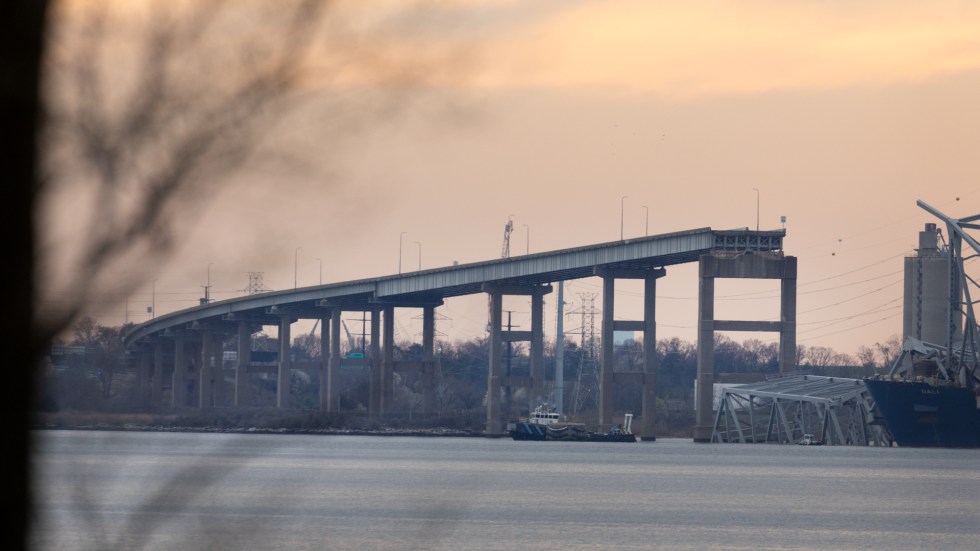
(918, 413)
(809, 440)
(543, 424)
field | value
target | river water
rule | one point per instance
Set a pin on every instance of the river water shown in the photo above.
(132, 490)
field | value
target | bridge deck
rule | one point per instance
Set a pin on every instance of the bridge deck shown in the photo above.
(432, 286)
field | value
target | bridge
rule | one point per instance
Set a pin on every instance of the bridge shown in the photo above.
(186, 347)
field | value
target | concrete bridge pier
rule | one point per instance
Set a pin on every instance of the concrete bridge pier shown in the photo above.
(333, 365)
(376, 374)
(143, 374)
(156, 393)
(608, 378)
(429, 367)
(243, 379)
(745, 266)
(285, 362)
(178, 394)
(205, 379)
(498, 381)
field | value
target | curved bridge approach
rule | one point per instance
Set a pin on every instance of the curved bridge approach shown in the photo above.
(184, 350)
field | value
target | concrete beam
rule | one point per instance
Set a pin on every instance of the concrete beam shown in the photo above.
(628, 325)
(627, 273)
(520, 290)
(731, 325)
(515, 336)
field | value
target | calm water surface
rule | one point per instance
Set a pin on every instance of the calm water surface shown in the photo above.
(111, 490)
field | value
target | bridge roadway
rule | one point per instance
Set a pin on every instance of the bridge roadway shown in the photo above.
(185, 348)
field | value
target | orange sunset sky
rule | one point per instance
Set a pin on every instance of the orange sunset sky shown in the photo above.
(840, 114)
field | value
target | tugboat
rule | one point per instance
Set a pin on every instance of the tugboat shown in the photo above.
(544, 424)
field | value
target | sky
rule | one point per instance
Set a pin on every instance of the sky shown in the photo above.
(576, 118)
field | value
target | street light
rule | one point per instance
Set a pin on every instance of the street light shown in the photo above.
(622, 207)
(321, 270)
(296, 266)
(646, 232)
(756, 208)
(400, 241)
(527, 249)
(420, 255)
(207, 288)
(153, 304)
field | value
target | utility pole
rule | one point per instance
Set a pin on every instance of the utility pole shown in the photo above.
(296, 267)
(622, 216)
(559, 394)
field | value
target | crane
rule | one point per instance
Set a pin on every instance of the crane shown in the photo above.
(350, 343)
(504, 253)
(508, 229)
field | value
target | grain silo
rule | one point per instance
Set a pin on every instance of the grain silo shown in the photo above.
(926, 312)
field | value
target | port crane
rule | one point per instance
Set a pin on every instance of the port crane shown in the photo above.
(504, 253)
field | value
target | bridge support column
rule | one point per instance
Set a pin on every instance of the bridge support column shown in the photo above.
(388, 365)
(178, 396)
(706, 359)
(743, 266)
(157, 392)
(494, 421)
(218, 390)
(205, 395)
(606, 357)
(608, 378)
(324, 361)
(649, 413)
(285, 363)
(143, 384)
(536, 395)
(496, 380)
(375, 408)
(243, 379)
(333, 366)
(428, 360)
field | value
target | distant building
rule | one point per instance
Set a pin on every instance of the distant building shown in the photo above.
(620, 337)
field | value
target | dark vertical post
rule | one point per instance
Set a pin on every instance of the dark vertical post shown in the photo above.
(146, 360)
(706, 344)
(157, 397)
(243, 380)
(787, 315)
(285, 363)
(428, 360)
(333, 382)
(218, 392)
(536, 396)
(649, 358)
(388, 367)
(376, 389)
(606, 362)
(494, 425)
(204, 376)
(178, 396)
(324, 362)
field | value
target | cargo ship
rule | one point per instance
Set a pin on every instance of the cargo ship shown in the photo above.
(921, 414)
(543, 424)
(931, 395)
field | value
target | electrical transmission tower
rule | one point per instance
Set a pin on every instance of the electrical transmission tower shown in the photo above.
(255, 285)
(587, 381)
(508, 229)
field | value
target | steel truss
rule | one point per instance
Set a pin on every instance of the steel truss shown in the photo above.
(833, 410)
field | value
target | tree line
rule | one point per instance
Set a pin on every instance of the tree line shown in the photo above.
(89, 370)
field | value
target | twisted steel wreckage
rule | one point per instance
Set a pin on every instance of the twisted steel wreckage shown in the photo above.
(929, 398)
